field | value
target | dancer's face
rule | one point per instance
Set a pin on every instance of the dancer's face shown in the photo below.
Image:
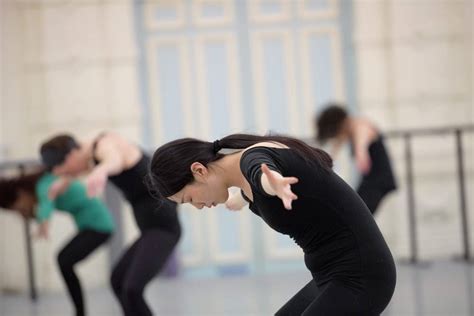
(73, 165)
(207, 190)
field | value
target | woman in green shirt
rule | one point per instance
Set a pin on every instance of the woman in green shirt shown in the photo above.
(29, 196)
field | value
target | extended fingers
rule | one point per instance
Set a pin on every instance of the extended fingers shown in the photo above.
(288, 199)
(292, 196)
(287, 203)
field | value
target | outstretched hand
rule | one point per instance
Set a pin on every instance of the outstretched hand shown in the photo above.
(363, 163)
(281, 186)
(235, 202)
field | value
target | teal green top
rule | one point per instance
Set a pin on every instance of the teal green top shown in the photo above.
(88, 213)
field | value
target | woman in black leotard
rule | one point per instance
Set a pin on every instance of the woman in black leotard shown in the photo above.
(125, 165)
(367, 147)
(292, 188)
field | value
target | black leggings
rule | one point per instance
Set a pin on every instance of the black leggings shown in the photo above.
(82, 245)
(138, 266)
(334, 298)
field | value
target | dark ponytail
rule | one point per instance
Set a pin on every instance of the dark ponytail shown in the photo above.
(10, 188)
(311, 154)
(170, 166)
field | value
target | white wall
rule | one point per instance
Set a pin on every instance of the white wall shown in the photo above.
(414, 70)
(68, 66)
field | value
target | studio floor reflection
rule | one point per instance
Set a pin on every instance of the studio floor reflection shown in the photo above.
(439, 288)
